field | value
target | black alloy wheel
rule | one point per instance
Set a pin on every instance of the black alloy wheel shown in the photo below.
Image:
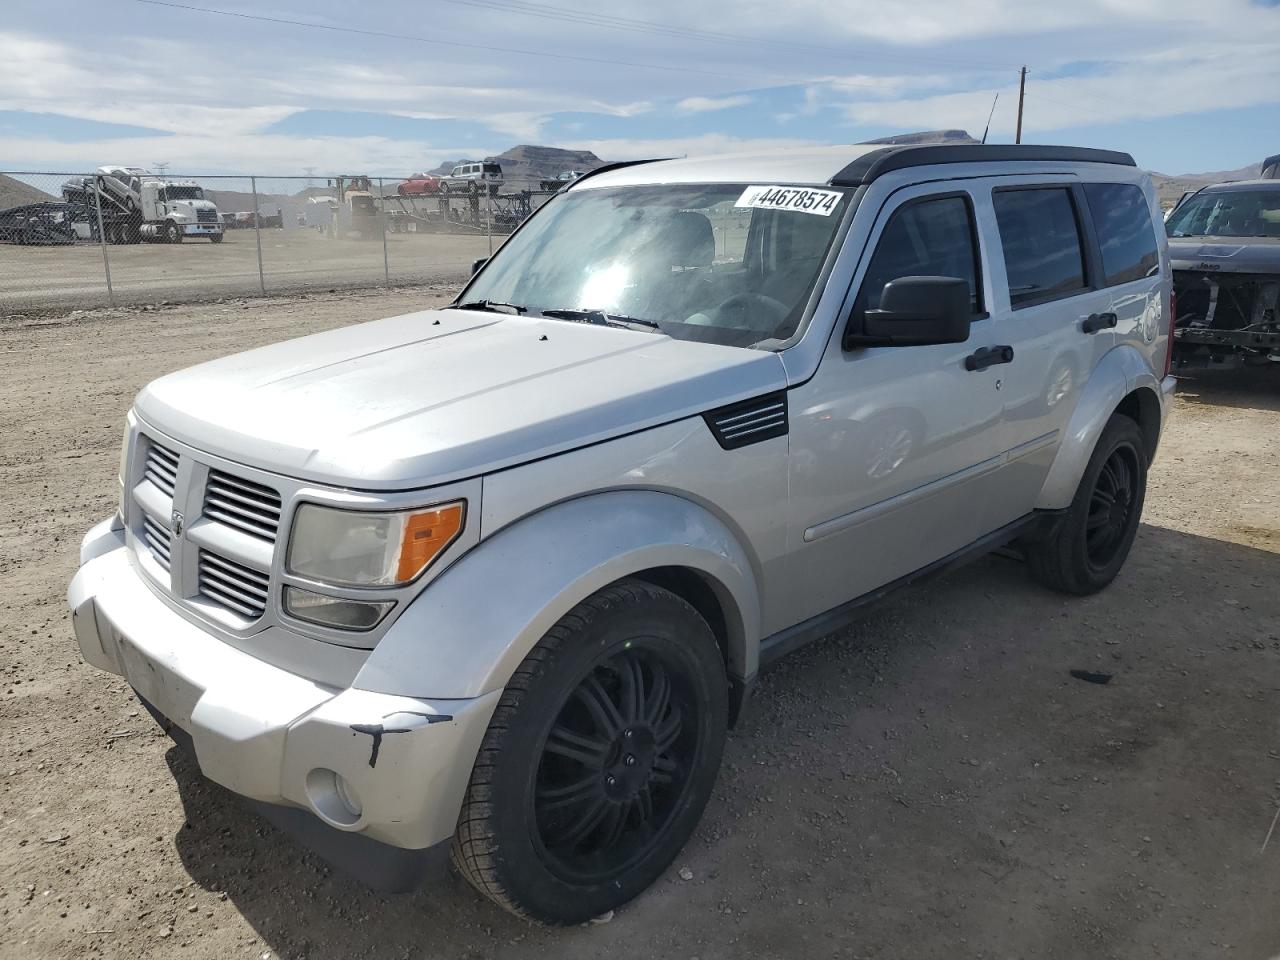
(1111, 506)
(1087, 544)
(614, 766)
(599, 758)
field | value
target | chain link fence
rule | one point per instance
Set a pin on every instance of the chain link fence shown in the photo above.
(123, 236)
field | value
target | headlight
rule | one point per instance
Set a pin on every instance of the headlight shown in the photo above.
(366, 549)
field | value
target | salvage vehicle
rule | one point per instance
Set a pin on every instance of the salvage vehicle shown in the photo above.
(419, 185)
(1224, 243)
(506, 571)
(473, 177)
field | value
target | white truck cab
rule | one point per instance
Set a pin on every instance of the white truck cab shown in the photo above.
(136, 205)
(503, 573)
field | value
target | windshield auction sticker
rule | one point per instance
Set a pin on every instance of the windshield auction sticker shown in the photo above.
(799, 199)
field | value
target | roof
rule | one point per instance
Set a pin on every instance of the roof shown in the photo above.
(844, 166)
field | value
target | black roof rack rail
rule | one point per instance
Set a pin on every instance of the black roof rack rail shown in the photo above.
(616, 165)
(879, 162)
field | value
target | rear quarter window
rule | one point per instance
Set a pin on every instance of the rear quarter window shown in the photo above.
(1040, 237)
(1122, 221)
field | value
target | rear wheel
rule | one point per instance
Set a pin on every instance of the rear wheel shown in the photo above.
(1091, 542)
(599, 759)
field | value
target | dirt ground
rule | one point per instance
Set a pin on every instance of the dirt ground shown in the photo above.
(43, 279)
(931, 783)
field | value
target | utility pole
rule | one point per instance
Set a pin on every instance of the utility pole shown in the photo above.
(1022, 95)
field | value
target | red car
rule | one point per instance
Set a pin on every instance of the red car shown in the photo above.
(419, 184)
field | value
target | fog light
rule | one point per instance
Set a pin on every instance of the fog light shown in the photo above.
(333, 797)
(336, 612)
(347, 794)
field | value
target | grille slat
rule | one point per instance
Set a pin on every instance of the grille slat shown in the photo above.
(159, 540)
(749, 421)
(161, 467)
(242, 504)
(237, 587)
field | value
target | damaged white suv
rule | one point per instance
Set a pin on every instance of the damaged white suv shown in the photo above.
(506, 571)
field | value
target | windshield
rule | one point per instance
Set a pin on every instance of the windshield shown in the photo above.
(721, 263)
(1227, 213)
(183, 193)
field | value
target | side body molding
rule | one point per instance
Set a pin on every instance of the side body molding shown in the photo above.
(468, 631)
(1120, 372)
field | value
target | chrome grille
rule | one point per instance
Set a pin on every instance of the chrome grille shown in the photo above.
(206, 216)
(159, 540)
(162, 467)
(243, 504)
(233, 585)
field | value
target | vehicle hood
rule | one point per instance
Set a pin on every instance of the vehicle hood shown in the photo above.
(443, 395)
(1226, 255)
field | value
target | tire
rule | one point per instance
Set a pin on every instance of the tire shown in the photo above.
(614, 722)
(172, 234)
(215, 237)
(1090, 543)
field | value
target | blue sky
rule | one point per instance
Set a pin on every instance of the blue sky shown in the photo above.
(1183, 85)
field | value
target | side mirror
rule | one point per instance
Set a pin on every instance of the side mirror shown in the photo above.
(914, 311)
(477, 263)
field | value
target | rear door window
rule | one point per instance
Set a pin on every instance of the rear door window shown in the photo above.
(932, 237)
(1122, 221)
(1043, 255)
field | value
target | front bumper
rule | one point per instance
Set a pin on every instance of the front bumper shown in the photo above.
(268, 734)
(201, 229)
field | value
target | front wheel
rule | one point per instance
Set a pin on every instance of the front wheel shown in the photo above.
(173, 233)
(1091, 542)
(599, 759)
(215, 237)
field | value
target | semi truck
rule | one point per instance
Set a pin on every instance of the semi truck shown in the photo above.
(138, 206)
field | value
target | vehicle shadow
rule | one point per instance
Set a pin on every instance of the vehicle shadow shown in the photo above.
(1250, 388)
(887, 779)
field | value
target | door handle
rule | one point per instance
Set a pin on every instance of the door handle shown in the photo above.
(985, 357)
(1098, 321)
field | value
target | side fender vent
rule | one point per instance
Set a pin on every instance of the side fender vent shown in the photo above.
(749, 421)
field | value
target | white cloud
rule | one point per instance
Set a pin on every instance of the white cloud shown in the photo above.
(701, 145)
(690, 105)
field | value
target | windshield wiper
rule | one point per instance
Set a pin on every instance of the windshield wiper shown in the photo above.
(600, 317)
(492, 306)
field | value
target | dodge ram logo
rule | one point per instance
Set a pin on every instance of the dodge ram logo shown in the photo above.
(175, 522)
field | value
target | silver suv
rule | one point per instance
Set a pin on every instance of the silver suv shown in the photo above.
(505, 572)
(472, 177)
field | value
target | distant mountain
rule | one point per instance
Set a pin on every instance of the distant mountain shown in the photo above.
(927, 136)
(15, 193)
(530, 164)
(1171, 188)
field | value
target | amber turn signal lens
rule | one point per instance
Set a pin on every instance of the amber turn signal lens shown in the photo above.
(426, 535)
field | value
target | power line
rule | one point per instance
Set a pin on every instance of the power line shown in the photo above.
(608, 21)
(1082, 108)
(261, 18)
(461, 44)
